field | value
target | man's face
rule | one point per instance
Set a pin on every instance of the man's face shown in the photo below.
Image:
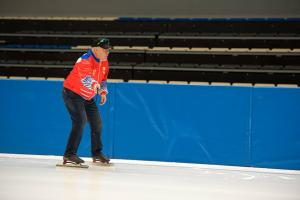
(101, 53)
(107, 51)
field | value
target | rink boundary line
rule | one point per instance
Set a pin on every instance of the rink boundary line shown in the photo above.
(159, 163)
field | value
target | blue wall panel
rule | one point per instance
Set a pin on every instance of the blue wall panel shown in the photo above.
(199, 124)
(31, 119)
(243, 126)
(276, 128)
(34, 120)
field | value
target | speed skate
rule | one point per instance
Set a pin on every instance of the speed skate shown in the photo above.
(75, 161)
(101, 160)
(105, 164)
(80, 165)
(72, 161)
(71, 164)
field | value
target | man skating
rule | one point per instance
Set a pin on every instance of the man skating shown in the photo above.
(85, 81)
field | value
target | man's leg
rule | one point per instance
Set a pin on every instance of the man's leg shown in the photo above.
(75, 106)
(95, 121)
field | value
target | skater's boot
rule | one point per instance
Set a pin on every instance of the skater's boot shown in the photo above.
(74, 159)
(101, 158)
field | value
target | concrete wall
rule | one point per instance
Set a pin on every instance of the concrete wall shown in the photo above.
(153, 8)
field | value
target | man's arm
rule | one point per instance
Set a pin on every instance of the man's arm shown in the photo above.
(84, 70)
(103, 89)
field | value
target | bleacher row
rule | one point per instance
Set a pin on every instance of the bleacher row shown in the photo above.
(209, 40)
(154, 42)
(164, 82)
(221, 50)
(141, 26)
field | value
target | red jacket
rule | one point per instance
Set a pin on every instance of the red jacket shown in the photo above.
(87, 71)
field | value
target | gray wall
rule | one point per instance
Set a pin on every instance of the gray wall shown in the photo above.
(151, 8)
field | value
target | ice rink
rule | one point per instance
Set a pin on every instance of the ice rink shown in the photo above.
(36, 177)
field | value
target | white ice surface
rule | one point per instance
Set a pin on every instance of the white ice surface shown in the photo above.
(37, 178)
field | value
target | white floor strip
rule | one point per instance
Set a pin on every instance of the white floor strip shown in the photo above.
(35, 177)
(158, 163)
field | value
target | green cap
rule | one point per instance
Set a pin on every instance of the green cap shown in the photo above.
(104, 43)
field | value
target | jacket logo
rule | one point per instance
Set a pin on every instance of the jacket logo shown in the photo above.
(87, 82)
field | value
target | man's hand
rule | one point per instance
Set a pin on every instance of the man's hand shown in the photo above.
(103, 99)
(96, 88)
(103, 95)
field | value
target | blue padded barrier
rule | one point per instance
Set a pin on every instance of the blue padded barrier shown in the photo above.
(34, 119)
(226, 125)
(182, 123)
(276, 128)
(31, 119)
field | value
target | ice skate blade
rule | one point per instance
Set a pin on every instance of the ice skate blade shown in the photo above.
(103, 164)
(72, 165)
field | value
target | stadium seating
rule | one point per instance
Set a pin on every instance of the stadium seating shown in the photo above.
(225, 50)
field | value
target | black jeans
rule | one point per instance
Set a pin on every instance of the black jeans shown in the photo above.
(80, 111)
